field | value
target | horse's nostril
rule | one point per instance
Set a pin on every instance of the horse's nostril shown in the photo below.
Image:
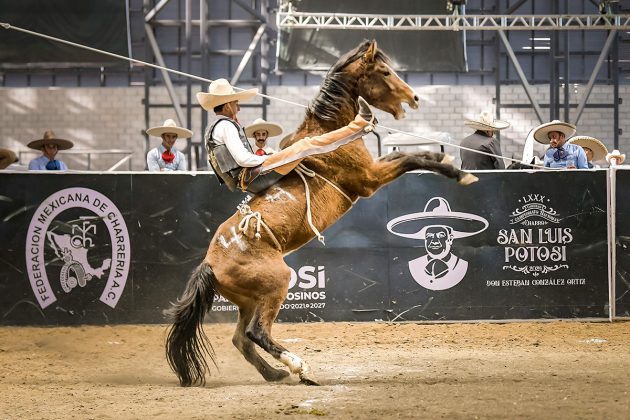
(416, 98)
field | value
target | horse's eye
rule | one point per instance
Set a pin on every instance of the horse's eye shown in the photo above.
(386, 74)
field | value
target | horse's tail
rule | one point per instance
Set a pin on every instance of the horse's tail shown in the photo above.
(186, 342)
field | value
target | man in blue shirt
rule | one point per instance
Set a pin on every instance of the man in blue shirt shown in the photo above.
(560, 153)
(49, 145)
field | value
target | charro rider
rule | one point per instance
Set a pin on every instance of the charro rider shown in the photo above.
(232, 157)
(438, 226)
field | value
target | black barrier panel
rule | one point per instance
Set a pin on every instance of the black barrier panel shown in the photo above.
(622, 245)
(101, 248)
(168, 220)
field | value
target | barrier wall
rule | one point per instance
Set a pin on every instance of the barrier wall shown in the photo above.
(117, 248)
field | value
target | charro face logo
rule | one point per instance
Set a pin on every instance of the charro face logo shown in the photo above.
(77, 238)
(438, 226)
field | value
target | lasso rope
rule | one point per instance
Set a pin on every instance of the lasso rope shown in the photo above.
(203, 79)
(303, 171)
(248, 215)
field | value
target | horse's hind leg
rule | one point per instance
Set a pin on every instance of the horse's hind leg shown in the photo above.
(259, 330)
(246, 346)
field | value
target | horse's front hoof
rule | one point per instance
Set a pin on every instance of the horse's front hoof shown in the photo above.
(448, 159)
(308, 381)
(467, 179)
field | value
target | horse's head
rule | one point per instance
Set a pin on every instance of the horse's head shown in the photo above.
(364, 71)
(379, 84)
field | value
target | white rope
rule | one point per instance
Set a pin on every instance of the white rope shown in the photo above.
(248, 215)
(203, 79)
(133, 60)
(303, 171)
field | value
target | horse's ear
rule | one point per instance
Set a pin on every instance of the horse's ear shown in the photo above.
(370, 54)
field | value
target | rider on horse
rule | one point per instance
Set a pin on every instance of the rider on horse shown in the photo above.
(232, 157)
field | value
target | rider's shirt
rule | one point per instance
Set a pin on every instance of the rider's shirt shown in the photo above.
(225, 133)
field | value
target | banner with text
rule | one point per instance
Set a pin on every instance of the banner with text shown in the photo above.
(118, 248)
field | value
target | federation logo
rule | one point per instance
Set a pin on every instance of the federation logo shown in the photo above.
(90, 242)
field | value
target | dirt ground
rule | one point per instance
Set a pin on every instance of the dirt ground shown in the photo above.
(367, 370)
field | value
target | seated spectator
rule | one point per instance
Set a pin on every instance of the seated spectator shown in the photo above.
(49, 145)
(593, 148)
(261, 131)
(615, 158)
(483, 139)
(165, 157)
(560, 153)
(7, 157)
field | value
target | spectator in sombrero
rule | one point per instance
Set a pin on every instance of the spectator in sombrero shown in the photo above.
(166, 157)
(261, 131)
(50, 144)
(615, 158)
(483, 140)
(560, 154)
(593, 148)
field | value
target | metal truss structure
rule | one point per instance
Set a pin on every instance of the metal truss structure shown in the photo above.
(288, 18)
(558, 24)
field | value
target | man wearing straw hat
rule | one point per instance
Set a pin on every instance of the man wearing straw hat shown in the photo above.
(260, 131)
(560, 153)
(165, 157)
(231, 156)
(483, 139)
(593, 148)
(49, 145)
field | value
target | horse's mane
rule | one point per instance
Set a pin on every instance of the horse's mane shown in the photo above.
(337, 94)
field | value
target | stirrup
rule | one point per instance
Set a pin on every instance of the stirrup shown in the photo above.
(366, 113)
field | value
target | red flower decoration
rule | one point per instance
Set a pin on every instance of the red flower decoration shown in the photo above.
(260, 152)
(168, 156)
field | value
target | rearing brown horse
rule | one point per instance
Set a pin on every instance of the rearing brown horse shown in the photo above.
(245, 263)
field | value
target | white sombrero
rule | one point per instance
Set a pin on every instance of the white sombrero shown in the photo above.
(169, 126)
(273, 129)
(542, 131)
(437, 212)
(486, 121)
(221, 92)
(50, 138)
(616, 154)
(599, 150)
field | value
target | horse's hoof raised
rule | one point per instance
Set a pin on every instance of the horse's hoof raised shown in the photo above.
(468, 179)
(448, 159)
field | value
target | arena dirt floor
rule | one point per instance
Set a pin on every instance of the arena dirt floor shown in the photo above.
(367, 370)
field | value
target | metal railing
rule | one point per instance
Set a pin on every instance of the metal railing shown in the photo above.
(126, 158)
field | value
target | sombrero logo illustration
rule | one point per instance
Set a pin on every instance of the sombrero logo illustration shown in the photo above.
(77, 238)
(438, 226)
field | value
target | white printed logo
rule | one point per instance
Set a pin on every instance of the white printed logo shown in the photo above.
(438, 226)
(72, 241)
